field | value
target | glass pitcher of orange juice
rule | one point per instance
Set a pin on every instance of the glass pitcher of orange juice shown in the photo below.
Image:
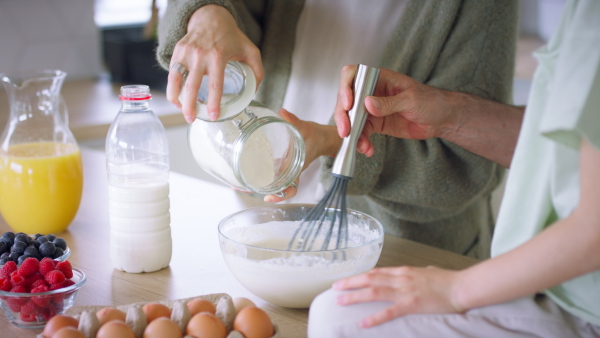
(41, 174)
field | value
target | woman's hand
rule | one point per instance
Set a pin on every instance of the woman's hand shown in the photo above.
(319, 140)
(400, 107)
(410, 289)
(213, 38)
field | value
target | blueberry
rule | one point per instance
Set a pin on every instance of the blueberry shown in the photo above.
(21, 259)
(18, 247)
(3, 248)
(36, 236)
(8, 238)
(14, 256)
(59, 252)
(47, 249)
(41, 240)
(60, 243)
(32, 251)
(4, 260)
(4, 255)
(30, 240)
(51, 237)
(21, 237)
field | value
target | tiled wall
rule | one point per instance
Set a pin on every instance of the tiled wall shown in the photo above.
(41, 34)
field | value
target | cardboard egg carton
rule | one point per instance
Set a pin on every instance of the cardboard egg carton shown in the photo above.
(222, 301)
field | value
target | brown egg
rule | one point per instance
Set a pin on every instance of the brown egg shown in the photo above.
(240, 302)
(162, 328)
(68, 332)
(108, 313)
(115, 329)
(253, 322)
(58, 322)
(156, 310)
(206, 325)
(201, 305)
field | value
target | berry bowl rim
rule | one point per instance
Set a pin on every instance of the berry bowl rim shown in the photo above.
(76, 286)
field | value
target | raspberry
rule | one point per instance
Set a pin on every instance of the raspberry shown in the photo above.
(34, 278)
(48, 312)
(28, 318)
(67, 282)
(14, 304)
(65, 268)
(17, 279)
(5, 284)
(41, 300)
(46, 265)
(57, 286)
(40, 288)
(29, 267)
(7, 269)
(54, 277)
(18, 289)
(39, 282)
(30, 309)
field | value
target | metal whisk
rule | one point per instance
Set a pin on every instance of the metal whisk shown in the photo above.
(328, 219)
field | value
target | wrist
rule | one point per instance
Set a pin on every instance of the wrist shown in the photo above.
(459, 292)
(457, 106)
(207, 13)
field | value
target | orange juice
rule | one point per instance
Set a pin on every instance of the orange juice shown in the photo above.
(40, 186)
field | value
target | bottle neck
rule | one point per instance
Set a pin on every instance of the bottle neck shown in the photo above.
(127, 105)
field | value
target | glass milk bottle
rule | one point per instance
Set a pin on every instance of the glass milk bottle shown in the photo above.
(137, 163)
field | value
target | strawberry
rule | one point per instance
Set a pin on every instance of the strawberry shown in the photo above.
(54, 277)
(66, 268)
(7, 269)
(29, 266)
(46, 265)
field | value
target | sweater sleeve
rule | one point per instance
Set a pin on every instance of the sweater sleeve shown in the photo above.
(468, 47)
(173, 24)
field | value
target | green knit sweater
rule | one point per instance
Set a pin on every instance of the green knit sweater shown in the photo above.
(431, 191)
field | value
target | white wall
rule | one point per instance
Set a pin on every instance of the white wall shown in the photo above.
(42, 34)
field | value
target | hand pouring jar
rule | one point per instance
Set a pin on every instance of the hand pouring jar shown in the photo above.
(249, 147)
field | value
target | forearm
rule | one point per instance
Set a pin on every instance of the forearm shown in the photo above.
(486, 128)
(560, 253)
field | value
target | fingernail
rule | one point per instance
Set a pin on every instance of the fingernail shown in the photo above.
(189, 119)
(340, 300)
(336, 285)
(212, 116)
(376, 103)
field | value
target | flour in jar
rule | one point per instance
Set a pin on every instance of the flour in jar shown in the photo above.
(211, 144)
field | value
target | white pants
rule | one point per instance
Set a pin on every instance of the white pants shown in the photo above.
(536, 316)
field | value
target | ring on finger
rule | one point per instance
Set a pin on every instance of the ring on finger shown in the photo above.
(294, 185)
(280, 194)
(179, 68)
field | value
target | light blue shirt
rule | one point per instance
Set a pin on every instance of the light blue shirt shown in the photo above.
(563, 108)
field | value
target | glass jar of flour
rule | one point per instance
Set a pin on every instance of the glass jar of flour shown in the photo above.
(249, 147)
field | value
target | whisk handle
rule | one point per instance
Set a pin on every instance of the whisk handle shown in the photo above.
(364, 85)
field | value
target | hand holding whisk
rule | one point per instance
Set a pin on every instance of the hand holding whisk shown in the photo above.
(326, 225)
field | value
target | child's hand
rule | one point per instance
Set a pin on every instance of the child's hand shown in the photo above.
(411, 289)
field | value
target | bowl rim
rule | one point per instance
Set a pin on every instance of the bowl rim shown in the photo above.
(297, 205)
(52, 292)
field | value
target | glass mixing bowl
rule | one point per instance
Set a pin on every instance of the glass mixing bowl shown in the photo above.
(253, 243)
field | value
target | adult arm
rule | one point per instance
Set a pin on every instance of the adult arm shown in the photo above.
(533, 266)
(202, 36)
(405, 108)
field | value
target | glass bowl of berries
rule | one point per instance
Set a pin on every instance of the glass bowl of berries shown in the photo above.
(17, 247)
(35, 291)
